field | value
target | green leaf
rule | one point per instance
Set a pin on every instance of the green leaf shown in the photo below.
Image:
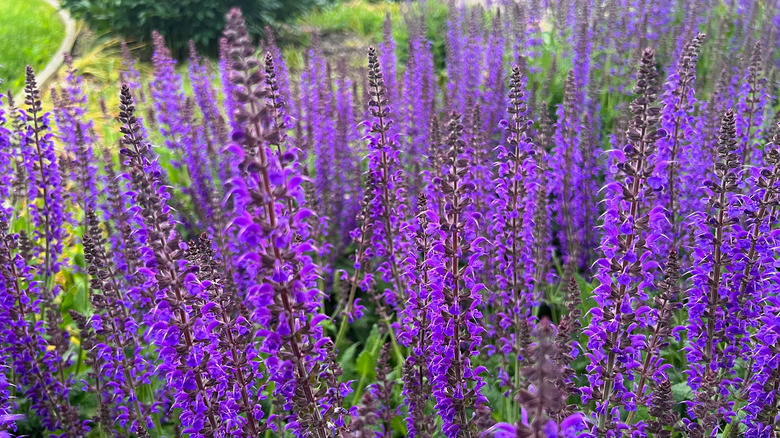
(372, 343)
(347, 360)
(366, 364)
(398, 425)
(642, 414)
(681, 391)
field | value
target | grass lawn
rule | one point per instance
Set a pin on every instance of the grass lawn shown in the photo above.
(30, 33)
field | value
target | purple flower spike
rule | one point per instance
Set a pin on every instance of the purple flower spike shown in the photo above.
(268, 206)
(626, 271)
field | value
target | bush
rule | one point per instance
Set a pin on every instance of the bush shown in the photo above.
(182, 20)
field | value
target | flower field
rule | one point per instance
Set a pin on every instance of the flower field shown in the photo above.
(565, 224)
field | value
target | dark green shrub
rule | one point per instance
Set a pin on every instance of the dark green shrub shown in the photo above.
(182, 20)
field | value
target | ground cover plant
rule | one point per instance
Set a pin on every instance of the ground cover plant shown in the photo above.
(569, 231)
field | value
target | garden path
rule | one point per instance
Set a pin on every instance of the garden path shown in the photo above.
(45, 75)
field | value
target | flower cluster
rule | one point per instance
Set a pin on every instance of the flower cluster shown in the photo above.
(497, 227)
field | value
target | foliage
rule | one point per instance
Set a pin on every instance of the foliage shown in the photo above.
(365, 19)
(30, 33)
(180, 21)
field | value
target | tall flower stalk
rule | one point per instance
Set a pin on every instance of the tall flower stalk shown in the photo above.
(566, 164)
(676, 120)
(709, 349)
(456, 382)
(173, 329)
(626, 271)
(513, 207)
(282, 293)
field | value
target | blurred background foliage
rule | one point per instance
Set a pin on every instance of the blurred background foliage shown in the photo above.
(30, 33)
(181, 20)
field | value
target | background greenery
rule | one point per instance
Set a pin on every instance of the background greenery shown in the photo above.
(181, 20)
(30, 33)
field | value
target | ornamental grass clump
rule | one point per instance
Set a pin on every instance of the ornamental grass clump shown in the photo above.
(509, 225)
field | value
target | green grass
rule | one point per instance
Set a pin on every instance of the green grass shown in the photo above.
(364, 20)
(30, 33)
(360, 17)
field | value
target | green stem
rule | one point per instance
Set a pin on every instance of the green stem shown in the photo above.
(374, 352)
(396, 347)
(342, 330)
(358, 390)
(268, 430)
(727, 429)
(157, 425)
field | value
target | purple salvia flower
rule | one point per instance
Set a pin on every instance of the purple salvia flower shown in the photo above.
(361, 236)
(493, 101)
(389, 233)
(119, 329)
(457, 385)
(197, 161)
(20, 187)
(756, 288)
(283, 293)
(657, 322)
(582, 49)
(702, 151)
(592, 178)
(542, 219)
(99, 375)
(763, 397)
(566, 179)
(281, 72)
(626, 271)
(708, 318)
(38, 370)
(227, 87)
(233, 358)
(679, 100)
(7, 161)
(435, 167)
(480, 169)
(418, 103)
(7, 418)
(76, 136)
(287, 153)
(534, 38)
(46, 207)
(455, 45)
(205, 95)
(124, 241)
(472, 62)
(750, 109)
(168, 97)
(415, 333)
(348, 190)
(46, 198)
(316, 94)
(173, 325)
(513, 210)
